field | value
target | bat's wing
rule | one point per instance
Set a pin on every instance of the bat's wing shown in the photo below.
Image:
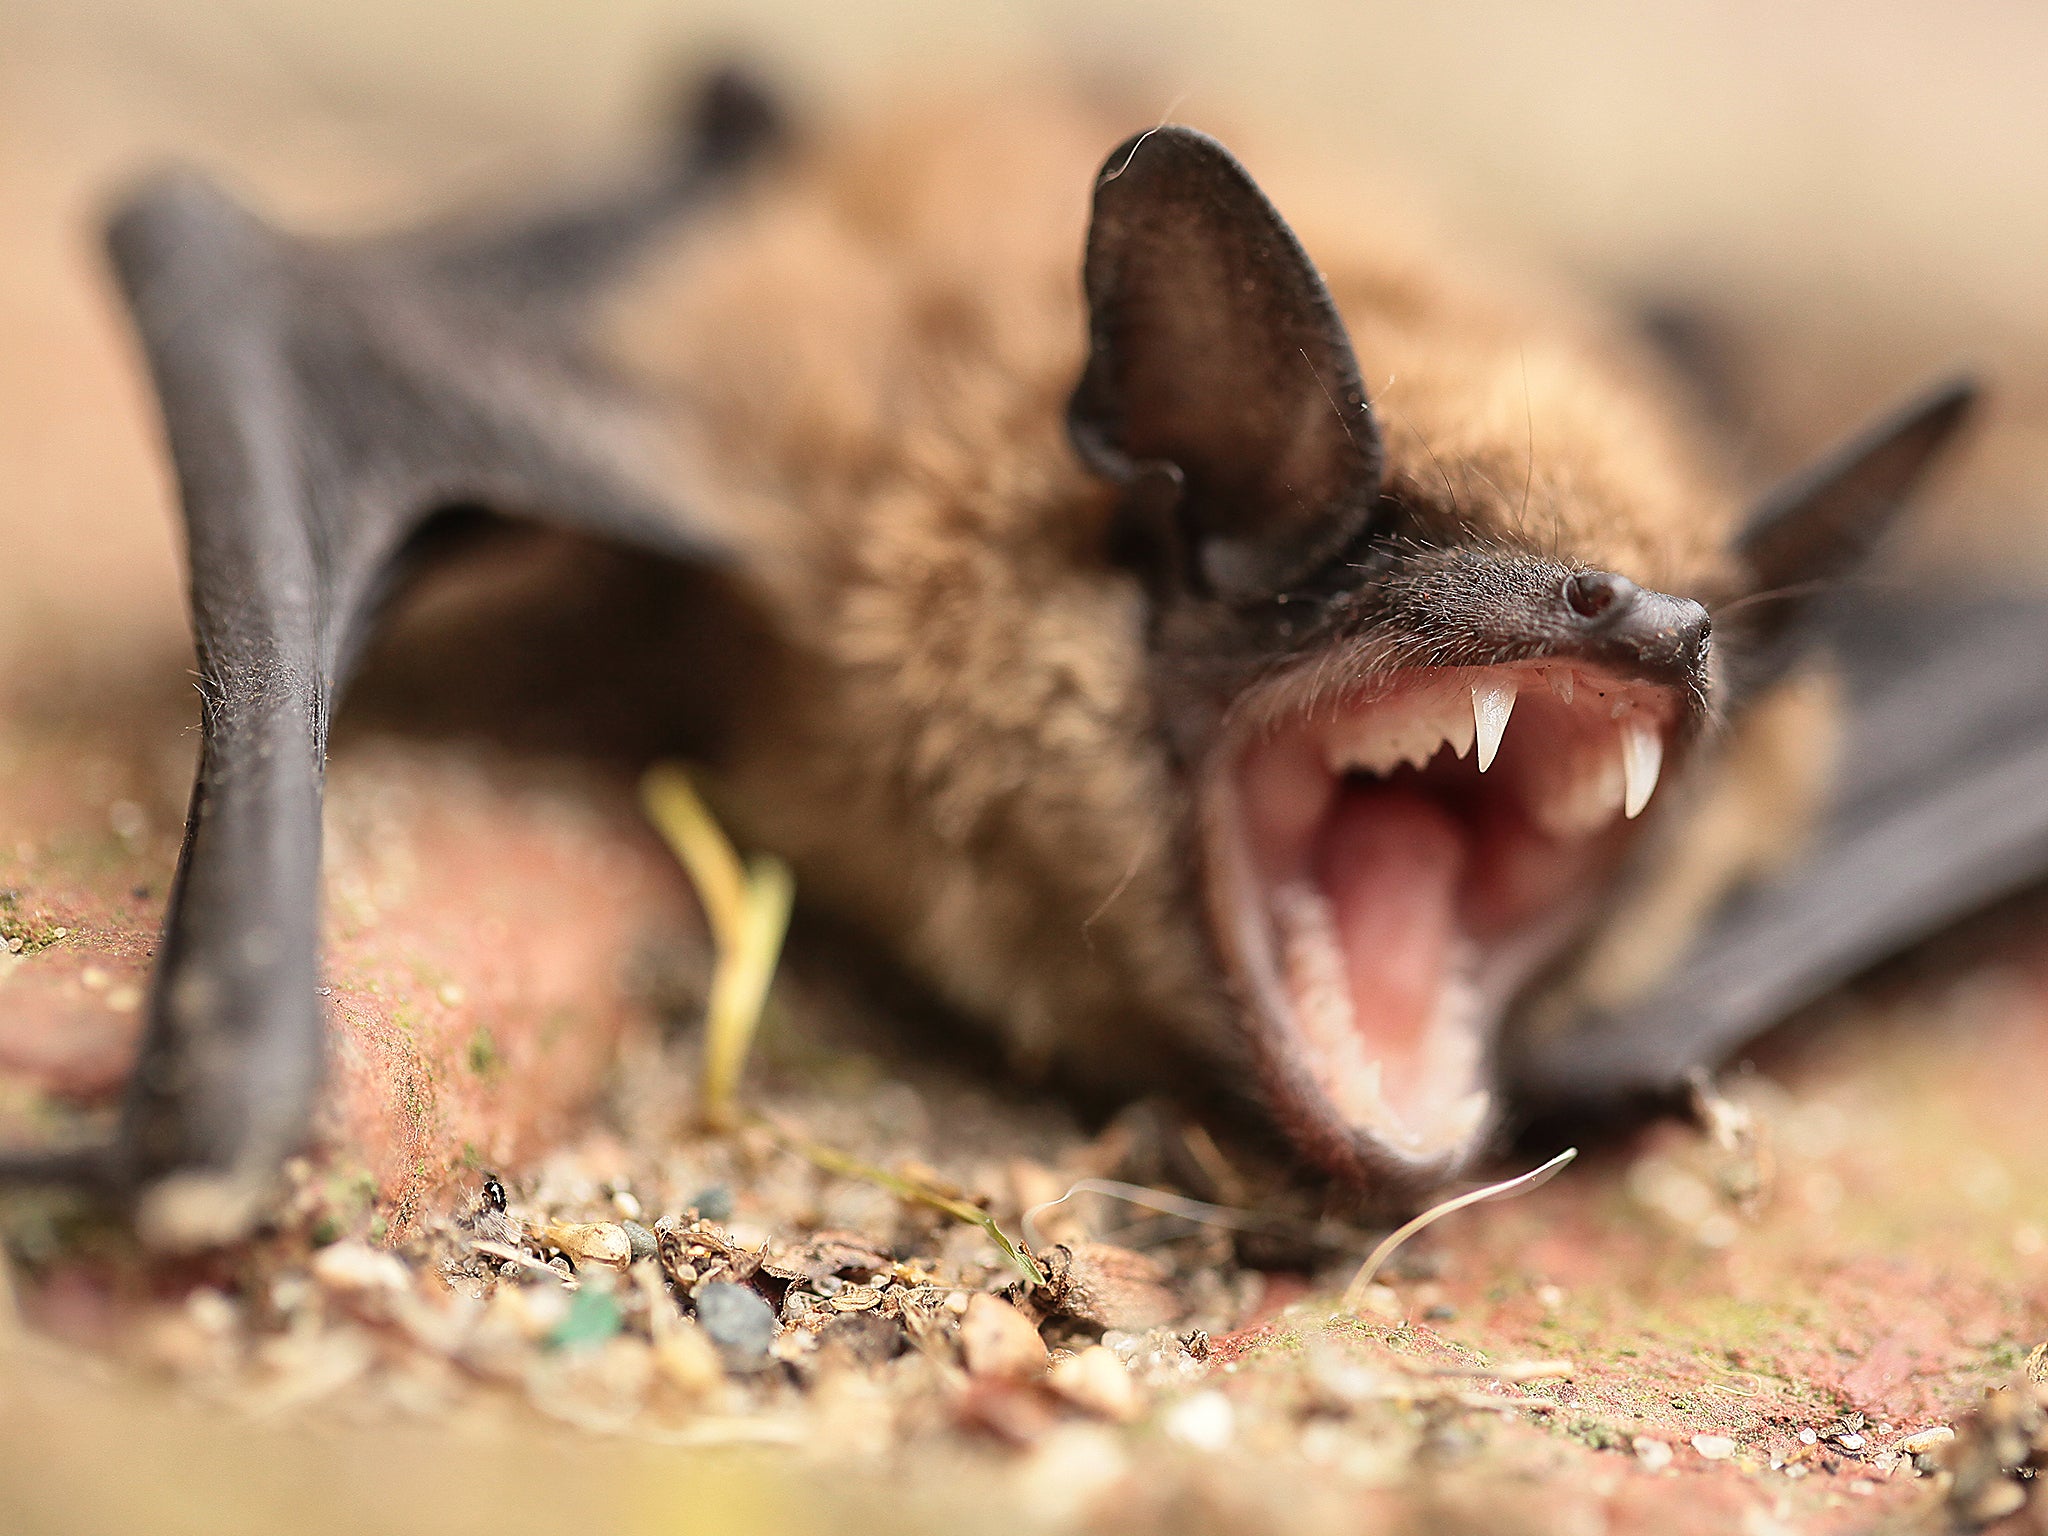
(325, 402)
(1942, 810)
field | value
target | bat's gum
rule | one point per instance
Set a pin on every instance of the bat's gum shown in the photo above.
(1380, 915)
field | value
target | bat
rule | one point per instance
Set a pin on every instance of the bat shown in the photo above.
(1203, 647)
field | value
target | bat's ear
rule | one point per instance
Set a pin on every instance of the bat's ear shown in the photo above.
(1220, 388)
(1819, 526)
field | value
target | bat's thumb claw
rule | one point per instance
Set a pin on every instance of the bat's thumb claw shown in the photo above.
(192, 1211)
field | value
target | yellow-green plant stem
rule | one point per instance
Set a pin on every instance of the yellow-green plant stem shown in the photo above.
(746, 906)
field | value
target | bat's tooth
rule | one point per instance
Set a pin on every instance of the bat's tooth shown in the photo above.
(1378, 754)
(1492, 703)
(1371, 1083)
(1458, 727)
(1359, 744)
(1642, 759)
(1462, 1121)
(1560, 680)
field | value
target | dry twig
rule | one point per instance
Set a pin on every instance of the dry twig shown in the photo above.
(1354, 1293)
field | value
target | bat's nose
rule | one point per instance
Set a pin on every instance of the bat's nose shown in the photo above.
(1630, 628)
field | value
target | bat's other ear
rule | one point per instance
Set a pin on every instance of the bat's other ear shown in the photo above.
(1220, 389)
(1818, 527)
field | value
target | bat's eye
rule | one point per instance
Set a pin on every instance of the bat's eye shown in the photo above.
(1594, 594)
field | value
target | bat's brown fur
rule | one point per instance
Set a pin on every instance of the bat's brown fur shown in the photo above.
(868, 363)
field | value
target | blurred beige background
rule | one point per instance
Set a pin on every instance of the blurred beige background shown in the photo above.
(1865, 186)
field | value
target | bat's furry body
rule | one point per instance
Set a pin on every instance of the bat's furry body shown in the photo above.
(1103, 573)
(958, 739)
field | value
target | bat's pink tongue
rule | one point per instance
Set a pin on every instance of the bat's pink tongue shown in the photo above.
(1390, 865)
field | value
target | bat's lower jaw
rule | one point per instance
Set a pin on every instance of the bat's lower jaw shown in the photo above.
(1386, 871)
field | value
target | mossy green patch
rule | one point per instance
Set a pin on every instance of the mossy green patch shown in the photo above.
(1594, 1433)
(25, 930)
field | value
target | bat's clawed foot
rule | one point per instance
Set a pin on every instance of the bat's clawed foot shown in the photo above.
(173, 1210)
(198, 1209)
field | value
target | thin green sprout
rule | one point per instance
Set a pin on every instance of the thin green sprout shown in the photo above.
(747, 909)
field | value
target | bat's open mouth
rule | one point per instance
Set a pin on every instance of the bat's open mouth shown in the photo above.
(1388, 868)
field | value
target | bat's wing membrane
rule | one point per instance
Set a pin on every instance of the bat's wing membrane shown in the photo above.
(1942, 810)
(323, 403)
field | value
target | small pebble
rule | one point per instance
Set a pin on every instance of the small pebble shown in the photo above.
(529, 1313)
(1655, 1455)
(593, 1317)
(1808, 1437)
(355, 1267)
(1714, 1447)
(1998, 1500)
(1925, 1440)
(855, 1298)
(998, 1341)
(1095, 1380)
(599, 1242)
(865, 1340)
(212, 1312)
(739, 1322)
(1382, 1301)
(639, 1239)
(713, 1204)
(1850, 1441)
(687, 1360)
(1205, 1421)
(1071, 1473)
(627, 1204)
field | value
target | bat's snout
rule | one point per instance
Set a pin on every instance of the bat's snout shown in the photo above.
(1651, 635)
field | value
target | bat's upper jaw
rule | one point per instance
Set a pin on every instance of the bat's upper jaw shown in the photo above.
(1386, 869)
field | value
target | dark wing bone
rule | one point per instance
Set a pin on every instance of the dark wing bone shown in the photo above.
(323, 402)
(1942, 810)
